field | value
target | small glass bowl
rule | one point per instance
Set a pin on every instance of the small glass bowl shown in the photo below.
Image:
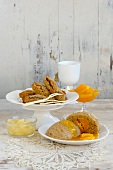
(21, 126)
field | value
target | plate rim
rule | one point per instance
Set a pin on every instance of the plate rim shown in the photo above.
(78, 142)
(57, 104)
(14, 91)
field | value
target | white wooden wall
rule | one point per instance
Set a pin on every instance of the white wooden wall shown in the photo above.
(36, 34)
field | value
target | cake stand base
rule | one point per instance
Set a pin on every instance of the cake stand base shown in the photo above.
(44, 117)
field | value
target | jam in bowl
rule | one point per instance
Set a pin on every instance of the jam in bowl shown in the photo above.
(21, 126)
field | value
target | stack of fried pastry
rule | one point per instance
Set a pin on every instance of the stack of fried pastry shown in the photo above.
(42, 91)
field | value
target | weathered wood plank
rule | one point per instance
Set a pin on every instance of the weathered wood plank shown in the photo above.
(106, 47)
(66, 29)
(53, 38)
(11, 35)
(86, 40)
(35, 35)
(43, 35)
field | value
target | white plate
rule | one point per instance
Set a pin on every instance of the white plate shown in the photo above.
(102, 134)
(13, 97)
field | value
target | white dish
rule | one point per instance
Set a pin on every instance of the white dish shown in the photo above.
(13, 97)
(102, 134)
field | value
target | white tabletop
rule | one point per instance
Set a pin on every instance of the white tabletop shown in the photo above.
(103, 109)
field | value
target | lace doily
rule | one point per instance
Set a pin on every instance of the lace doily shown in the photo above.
(42, 154)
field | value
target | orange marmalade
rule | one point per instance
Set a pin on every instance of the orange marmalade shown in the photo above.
(86, 136)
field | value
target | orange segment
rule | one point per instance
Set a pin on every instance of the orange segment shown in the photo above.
(86, 93)
(82, 124)
(88, 96)
(80, 89)
(86, 136)
(96, 136)
(90, 90)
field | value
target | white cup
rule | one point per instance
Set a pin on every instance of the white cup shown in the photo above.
(69, 72)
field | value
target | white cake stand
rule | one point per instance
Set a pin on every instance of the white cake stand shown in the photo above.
(41, 112)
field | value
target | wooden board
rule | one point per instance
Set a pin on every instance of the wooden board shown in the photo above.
(35, 35)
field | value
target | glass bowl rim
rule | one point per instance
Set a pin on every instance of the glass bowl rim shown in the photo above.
(22, 117)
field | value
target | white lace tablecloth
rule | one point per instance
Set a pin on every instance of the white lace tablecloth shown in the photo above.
(43, 154)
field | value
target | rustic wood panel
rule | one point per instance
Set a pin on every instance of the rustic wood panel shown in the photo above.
(86, 40)
(42, 31)
(11, 36)
(35, 35)
(66, 29)
(106, 47)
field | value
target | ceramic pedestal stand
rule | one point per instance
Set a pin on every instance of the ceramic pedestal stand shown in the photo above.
(41, 111)
(43, 114)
